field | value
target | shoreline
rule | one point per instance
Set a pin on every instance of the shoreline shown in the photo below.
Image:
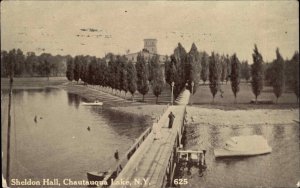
(199, 115)
(127, 106)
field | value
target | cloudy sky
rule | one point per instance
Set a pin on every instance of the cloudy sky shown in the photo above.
(99, 27)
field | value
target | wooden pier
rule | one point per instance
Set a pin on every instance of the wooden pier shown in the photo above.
(150, 162)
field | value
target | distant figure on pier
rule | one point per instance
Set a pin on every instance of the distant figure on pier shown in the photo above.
(117, 155)
(171, 119)
(88, 128)
(35, 119)
(155, 130)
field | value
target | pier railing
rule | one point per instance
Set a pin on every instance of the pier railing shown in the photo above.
(116, 169)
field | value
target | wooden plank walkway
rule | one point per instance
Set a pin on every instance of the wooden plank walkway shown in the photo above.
(151, 159)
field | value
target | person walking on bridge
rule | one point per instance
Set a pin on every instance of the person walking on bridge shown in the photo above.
(171, 119)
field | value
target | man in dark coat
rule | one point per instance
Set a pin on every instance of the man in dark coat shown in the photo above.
(171, 119)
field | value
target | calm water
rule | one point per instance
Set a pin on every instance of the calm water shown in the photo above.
(281, 168)
(59, 144)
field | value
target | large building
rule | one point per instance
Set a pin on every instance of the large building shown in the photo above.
(148, 52)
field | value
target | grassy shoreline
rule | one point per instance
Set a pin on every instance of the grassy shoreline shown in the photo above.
(124, 106)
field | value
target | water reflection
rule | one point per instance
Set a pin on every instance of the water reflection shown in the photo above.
(73, 99)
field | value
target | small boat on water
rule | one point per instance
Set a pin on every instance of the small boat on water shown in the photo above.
(96, 176)
(244, 146)
(101, 176)
(96, 103)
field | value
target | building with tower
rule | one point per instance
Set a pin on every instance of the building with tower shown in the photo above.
(149, 50)
(150, 45)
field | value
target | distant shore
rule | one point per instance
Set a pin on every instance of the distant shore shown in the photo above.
(126, 106)
(33, 82)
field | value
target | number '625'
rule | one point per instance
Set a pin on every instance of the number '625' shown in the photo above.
(180, 181)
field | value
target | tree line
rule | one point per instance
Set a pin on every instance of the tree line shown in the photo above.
(183, 69)
(186, 68)
(29, 64)
(117, 73)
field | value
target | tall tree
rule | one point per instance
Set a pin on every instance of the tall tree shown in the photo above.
(102, 76)
(11, 63)
(194, 68)
(84, 68)
(278, 79)
(170, 70)
(118, 72)
(181, 65)
(257, 73)
(295, 74)
(171, 73)
(152, 66)
(204, 67)
(70, 69)
(214, 76)
(30, 60)
(92, 71)
(142, 75)
(157, 79)
(235, 75)
(77, 68)
(123, 75)
(19, 67)
(131, 78)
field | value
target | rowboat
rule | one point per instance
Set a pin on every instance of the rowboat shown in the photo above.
(244, 146)
(96, 103)
(96, 176)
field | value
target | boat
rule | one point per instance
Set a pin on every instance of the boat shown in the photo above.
(244, 146)
(96, 103)
(107, 176)
(96, 176)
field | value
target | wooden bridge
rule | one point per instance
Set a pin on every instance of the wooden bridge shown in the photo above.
(150, 162)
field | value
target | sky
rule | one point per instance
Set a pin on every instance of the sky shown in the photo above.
(98, 27)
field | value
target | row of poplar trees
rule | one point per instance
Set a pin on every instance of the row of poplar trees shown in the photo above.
(186, 69)
(117, 73)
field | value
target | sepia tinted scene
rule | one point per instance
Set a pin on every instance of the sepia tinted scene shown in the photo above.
(191, 94)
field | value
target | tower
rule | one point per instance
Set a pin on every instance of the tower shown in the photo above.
(150, 45)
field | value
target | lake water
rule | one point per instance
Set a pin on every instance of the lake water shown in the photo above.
(59, 145)
(281, 168)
